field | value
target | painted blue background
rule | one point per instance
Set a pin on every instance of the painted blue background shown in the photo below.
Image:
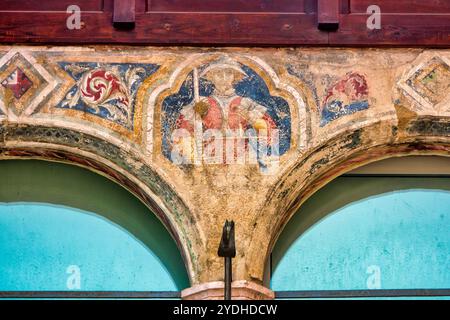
(102, 112)
(252, 86)
(329, 115)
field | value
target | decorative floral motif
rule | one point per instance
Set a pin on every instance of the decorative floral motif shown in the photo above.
(99, 86)
(345, 97)
(106, 90)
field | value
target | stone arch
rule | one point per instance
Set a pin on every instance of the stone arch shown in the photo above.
(123, 166)
(337, 155)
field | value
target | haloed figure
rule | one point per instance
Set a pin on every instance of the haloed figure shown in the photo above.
(226, 113)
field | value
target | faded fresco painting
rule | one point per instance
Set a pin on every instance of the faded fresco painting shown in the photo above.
(229, 105)
(24, 84)
(17, 82)
(106, 90)
(427, 84)
(347, 96)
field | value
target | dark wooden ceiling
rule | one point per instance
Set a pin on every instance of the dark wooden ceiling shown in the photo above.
(228, 22)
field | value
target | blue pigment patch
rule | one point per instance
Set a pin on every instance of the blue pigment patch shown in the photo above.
(113, 108)
(252, 86)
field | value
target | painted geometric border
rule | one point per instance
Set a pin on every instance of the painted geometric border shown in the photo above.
(51, 84)
(427, 107)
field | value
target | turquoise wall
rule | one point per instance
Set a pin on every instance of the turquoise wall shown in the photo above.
(46, 247)
(54, 215)
(394, 240)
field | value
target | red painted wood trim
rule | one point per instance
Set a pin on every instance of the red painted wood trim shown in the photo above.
(278, 6)
(410, 30)
(281, 28)
(124, 15)
(328, 14)
(49, 5)
(402, 6)
(344, 6)
(165, 28)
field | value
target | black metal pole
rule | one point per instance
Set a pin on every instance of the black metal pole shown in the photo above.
(228, 278)
(227, 249)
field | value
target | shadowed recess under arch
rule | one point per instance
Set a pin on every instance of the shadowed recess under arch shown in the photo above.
(357, 226)
(84, 197)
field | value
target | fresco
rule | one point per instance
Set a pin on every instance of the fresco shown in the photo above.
(106, 90)
(17, 82)
(229, 97)
(347, 96)
(24, 84)
(114, 110)
(428, 85)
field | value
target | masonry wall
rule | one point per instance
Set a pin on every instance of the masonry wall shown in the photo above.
(201, 135)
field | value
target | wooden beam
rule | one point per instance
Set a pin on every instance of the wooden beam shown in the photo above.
(258, 22)
(124, 15)
(328, 15)
(396, 30)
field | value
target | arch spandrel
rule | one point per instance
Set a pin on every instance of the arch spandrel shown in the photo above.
(404, 124)
(102, 107)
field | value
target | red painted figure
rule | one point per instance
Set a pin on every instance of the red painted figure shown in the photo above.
(226, 116)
